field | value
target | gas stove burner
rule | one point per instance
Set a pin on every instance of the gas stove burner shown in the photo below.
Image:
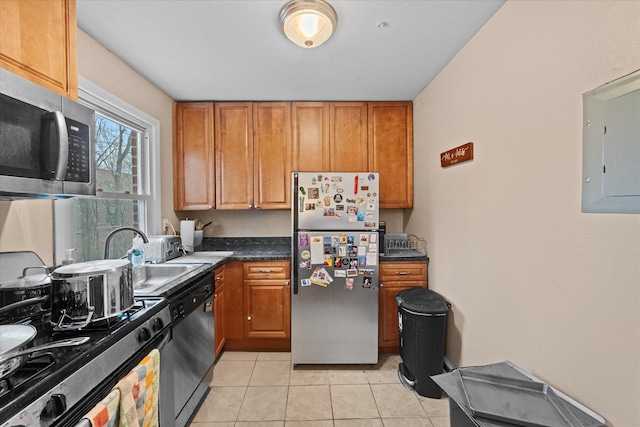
(32, 370)
(107, 324)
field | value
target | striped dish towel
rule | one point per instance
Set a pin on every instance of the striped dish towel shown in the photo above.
(107, 412)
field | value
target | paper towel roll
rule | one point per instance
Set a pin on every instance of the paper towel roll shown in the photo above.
(187, 227)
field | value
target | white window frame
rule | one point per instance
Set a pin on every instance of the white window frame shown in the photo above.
(96, 98)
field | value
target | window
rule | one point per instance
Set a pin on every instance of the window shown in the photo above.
(127, 160)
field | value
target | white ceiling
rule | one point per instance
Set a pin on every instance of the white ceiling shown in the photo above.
(227, 50)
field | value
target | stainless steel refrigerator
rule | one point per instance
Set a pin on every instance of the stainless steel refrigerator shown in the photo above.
(334, 300)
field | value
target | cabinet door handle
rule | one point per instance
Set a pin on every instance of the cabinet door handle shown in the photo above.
(402, 273)
(248, 317)
(250, 206)
(381, 285)
(215, 296)
(286, 283)
(218, 277)
(265, 271)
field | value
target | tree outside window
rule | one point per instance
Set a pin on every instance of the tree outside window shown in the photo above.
(117, 179)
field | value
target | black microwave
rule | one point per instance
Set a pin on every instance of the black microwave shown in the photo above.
(46, 140)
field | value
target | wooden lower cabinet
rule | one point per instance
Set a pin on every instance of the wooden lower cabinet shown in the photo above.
(258, 305)
(218, 309)
(267, 299)
(395, 277)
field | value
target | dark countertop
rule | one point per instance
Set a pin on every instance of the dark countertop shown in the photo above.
(250, 248)
(405, 255)
(279, 248)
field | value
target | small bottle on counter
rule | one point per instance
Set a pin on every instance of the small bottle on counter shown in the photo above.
(137, 252)
(137, 261)
(69, 256)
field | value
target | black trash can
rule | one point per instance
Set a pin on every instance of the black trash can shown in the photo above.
(422, 323)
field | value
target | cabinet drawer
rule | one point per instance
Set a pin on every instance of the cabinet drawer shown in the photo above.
(401, 284)
(403, 271)
(218, 274)
(267, 270)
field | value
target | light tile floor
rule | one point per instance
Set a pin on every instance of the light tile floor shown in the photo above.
(251, 389)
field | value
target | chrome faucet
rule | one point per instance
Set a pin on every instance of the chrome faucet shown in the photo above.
(117, 230)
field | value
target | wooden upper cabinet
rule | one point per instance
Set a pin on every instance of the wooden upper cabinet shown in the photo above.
(38, 42)
(310, 123)
(257, 145)
(348, 137)
(391, 151)
(193, 156)
(253, 155)
(272, 155)
(234, 155)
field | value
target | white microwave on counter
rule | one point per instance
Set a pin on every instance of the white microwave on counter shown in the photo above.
(47, 142)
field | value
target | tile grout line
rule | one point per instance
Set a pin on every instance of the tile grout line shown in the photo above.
(427, 416)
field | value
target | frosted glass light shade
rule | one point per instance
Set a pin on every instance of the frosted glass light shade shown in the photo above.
(308, 23)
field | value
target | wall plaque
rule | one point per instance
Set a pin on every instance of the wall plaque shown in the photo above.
(459, 154)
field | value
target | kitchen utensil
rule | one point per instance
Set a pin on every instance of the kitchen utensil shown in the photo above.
(90, 291)
(26, 295)
(207, 224)
(13, 360)
(519, 402)
(197, 238)
(13, 264)
(14, 338)
(163, 248)
(187, 228)
(61, 343)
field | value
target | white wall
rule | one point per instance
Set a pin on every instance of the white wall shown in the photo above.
(27, 225)
(531, 278)
(265, 223)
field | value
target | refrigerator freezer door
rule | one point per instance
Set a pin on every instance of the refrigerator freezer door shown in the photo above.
(336, 200)
(334, 302)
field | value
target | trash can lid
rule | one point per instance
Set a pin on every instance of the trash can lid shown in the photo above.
(421, 300)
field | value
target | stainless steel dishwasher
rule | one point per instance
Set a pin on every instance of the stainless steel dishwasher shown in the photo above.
(193, 346)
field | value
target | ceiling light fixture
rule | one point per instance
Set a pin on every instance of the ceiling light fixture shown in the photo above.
(308, 23)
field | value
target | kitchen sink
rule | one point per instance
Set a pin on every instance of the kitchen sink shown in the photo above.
(160, 274)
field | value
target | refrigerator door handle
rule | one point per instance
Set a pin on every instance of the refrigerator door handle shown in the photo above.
(294, 262)
(295, 201)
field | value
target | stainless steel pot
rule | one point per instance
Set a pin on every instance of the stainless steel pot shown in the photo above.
(25, 296)
(89, 292)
